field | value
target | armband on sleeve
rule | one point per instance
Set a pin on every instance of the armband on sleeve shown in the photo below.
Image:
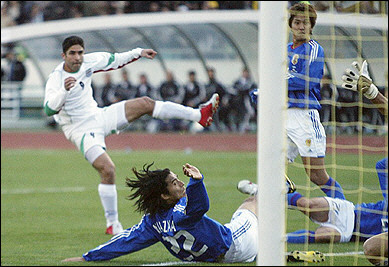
(54, 100)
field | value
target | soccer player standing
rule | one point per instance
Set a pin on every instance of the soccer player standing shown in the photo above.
(68, 97)
(306, 134)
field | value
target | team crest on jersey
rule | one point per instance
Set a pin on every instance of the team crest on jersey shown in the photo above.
(295, 59)
(308, 142)
(88, 72)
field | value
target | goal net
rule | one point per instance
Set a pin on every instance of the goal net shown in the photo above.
(356, 130)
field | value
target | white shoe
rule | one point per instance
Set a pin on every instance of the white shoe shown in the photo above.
(247, 187)
(114, 229)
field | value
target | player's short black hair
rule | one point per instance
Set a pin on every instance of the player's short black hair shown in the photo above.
(302, 9)
(70, 41)
(148, 187)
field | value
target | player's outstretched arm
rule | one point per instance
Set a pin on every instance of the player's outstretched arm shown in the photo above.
(358, 79)
(75, 259)
(192, 171)
(148, 53)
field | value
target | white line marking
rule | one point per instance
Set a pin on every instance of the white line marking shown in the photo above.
(186, 262)
(170, 263)
(344, 254)
(21, 191)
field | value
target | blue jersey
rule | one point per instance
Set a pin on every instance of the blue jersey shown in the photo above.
(305, 70)
(185, 230)
(372, 218)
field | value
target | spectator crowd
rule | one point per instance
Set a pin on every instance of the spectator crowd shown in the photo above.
(20, 12)
(236, 113)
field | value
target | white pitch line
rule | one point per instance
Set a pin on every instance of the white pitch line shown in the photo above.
(187, 262)
(344, 254)
(22, 191)
(170, 263)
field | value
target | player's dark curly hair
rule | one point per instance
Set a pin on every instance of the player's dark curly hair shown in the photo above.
(303, 9)
(70, 41)
(148, 187)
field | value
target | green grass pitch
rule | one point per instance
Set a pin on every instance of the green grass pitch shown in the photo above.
(50, 208)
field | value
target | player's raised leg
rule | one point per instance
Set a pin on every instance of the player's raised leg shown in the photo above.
(135, 108)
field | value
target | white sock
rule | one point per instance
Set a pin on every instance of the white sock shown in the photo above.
(170, 110)
(108, 196)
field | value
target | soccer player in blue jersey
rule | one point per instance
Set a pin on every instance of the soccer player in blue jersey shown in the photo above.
(340, 220)
(176, 216)
(358, 79)
(305, 133)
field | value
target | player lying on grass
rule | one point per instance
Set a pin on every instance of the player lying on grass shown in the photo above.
(358, 79)
(176, 216)
(339, 220)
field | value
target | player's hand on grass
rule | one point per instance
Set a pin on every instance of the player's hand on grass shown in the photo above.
(192, 171)
(148, 53)
(358, 79)
(74, 259)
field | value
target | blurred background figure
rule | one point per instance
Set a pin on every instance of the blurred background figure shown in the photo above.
(108, 91)
(14, 70)
(214, 86)
(125, 89)
(329, 92)
(194, 95)
(241, 108)
(144, 88)
(171, 90)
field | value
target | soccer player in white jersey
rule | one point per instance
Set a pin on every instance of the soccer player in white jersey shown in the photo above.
(68, 97)
(175, 215)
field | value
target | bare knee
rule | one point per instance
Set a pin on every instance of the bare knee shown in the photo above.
(327, 235)
(250, 204)
(376, 248)
(315, 208)
(136, 108)
(147, 103)
(106, 170)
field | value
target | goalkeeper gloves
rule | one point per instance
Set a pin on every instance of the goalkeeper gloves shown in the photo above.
(254, 95)
(360, 80)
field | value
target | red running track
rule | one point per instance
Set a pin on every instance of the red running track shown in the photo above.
(176, 141)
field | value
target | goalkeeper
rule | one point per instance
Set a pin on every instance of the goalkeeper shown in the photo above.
(358, 79)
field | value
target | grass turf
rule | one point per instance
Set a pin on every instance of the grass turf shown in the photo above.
(50, 208)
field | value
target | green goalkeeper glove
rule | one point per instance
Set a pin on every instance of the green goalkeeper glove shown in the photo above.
(360, 80)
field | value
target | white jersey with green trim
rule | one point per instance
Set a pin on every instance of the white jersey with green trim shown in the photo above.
(75, 105)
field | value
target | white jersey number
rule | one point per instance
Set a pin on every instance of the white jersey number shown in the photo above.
(186, 246)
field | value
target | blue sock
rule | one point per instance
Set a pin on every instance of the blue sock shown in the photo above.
(382, 172)
(293, 197)
(300, 237)
(333, 189)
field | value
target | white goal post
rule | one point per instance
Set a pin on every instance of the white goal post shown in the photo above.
(271, 132)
